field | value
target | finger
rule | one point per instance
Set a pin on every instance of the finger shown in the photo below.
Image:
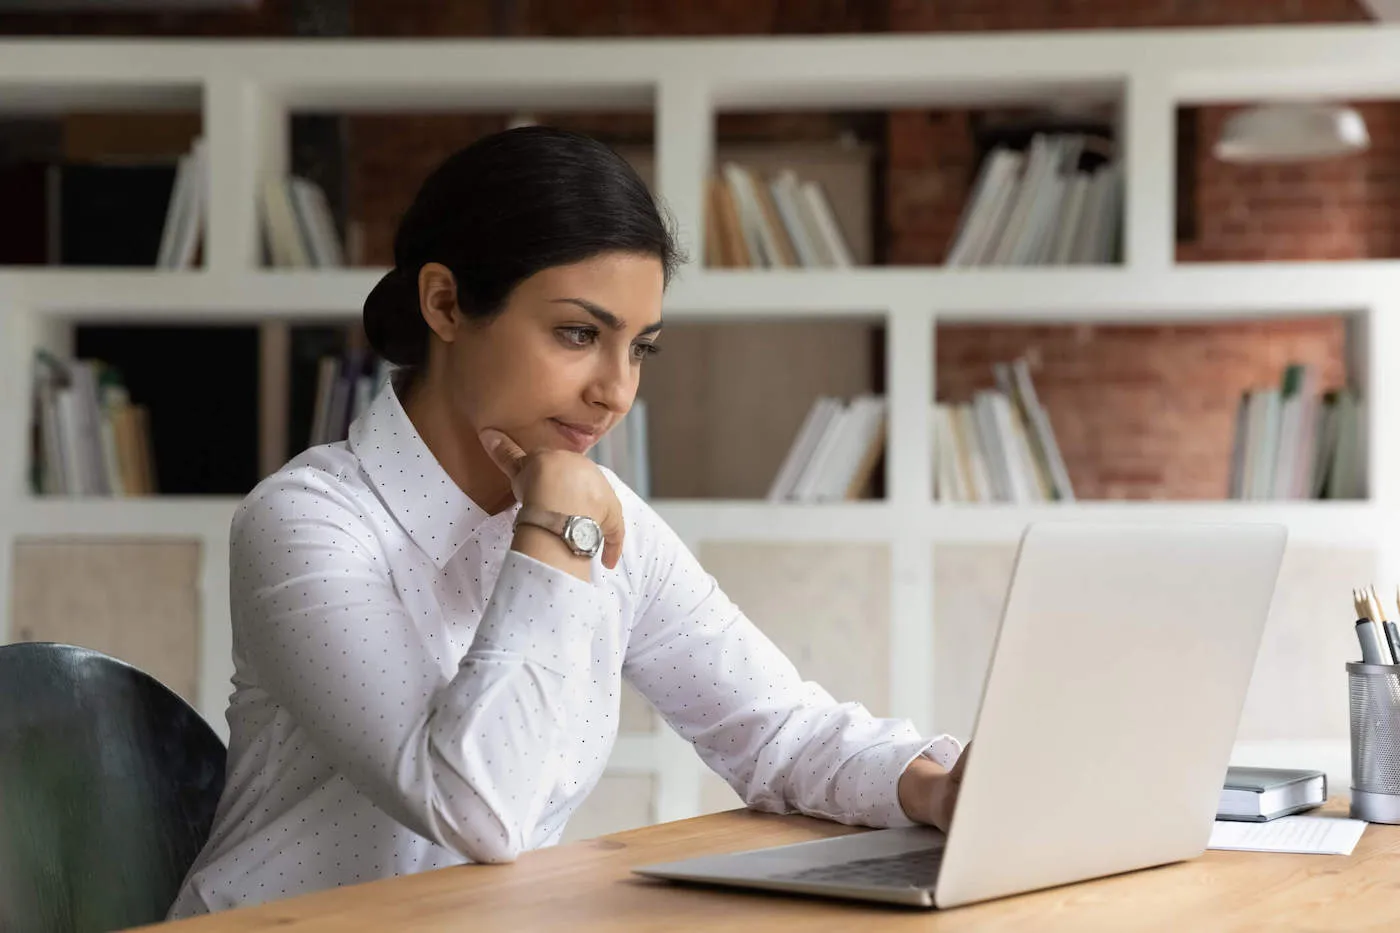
(503, 451)
(614, 530)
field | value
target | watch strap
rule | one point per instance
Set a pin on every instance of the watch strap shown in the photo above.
(543, 518)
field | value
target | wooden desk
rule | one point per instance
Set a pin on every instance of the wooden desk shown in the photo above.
(587, 886)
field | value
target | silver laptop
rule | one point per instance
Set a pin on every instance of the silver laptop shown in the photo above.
(1105, 727)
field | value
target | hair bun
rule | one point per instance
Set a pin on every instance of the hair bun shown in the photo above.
(393, 326)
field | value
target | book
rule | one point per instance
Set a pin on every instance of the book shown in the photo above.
(1296, 440)
(1041, 206)
(999, 445)
(1261, 794)
(774, 219)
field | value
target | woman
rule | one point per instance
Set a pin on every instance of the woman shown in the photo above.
(428, 643)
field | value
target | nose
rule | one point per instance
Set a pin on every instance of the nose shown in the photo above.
(614, 383)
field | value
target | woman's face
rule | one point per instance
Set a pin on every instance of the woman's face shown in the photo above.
(559, 365)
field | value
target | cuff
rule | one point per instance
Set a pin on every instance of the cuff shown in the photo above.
(879, 770)
(539, 612)
(943, 751)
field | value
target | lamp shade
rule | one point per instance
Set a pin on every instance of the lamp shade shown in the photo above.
(1292, 132)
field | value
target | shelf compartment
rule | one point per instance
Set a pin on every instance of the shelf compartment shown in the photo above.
(86, 186)
(1149, 412)
(1319, 210)
(725, 401)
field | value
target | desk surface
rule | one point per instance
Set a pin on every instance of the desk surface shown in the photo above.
(588, 886)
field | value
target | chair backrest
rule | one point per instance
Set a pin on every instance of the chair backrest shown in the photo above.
(108, 786)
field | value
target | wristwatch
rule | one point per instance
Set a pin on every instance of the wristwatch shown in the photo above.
(581, 533)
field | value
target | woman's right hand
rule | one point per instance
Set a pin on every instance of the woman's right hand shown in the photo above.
(561, 481)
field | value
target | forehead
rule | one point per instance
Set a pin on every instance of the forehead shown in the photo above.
(628, 286)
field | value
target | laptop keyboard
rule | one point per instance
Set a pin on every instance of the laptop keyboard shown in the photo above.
(917, 869)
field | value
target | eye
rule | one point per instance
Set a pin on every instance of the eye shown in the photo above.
(577, 336)
(644, 349)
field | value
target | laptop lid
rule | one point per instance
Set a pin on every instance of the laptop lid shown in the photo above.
(1111, 705)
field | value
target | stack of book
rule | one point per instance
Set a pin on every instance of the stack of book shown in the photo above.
(998, 447)
(1040, 208)
(345, 386)
(624, 450)
(87, 437)
(184, 215)
(298, 227)
(780, 221)
(835, 453)
(1294, 442)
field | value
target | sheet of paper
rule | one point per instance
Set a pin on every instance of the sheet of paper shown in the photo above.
(1307, 835)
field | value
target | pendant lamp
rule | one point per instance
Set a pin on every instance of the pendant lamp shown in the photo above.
(1291, 132)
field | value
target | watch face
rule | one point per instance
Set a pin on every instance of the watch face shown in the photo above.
(585, 534)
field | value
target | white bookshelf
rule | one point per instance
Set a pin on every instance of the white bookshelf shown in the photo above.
(1228, 291)
(246, 90)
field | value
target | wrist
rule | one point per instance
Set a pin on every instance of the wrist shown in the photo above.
(548, 548)
(923, 790)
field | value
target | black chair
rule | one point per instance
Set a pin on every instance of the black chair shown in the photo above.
(108, 785)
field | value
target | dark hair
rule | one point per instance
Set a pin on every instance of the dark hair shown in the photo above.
(500, 210)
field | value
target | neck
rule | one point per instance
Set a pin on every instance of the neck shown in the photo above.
(456, 447)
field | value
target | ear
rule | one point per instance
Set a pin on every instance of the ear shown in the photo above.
(437, 300)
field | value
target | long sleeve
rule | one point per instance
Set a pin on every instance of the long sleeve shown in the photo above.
(463, 757)
(784, 744)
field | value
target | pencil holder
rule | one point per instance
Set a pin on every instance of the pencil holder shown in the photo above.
(1375, 741)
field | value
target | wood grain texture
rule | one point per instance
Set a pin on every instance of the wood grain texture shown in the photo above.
(588, 885)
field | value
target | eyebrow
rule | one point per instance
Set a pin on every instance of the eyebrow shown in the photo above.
(604, 315)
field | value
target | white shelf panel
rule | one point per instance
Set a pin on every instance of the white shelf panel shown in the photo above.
(1345, 524)
(198, 516)
(67, 96)
(1348, 61)
(1181, 293)
(152, 295)
(1064, 294)
(1338, 524)
(157, 516)
(731, 520)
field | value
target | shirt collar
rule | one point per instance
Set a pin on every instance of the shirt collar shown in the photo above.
(427, 503)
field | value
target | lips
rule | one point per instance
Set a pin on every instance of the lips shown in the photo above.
(577, 437)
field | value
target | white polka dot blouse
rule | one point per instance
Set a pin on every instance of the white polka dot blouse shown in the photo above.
(410, 693)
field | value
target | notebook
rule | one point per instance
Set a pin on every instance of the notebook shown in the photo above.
(1261, 794)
